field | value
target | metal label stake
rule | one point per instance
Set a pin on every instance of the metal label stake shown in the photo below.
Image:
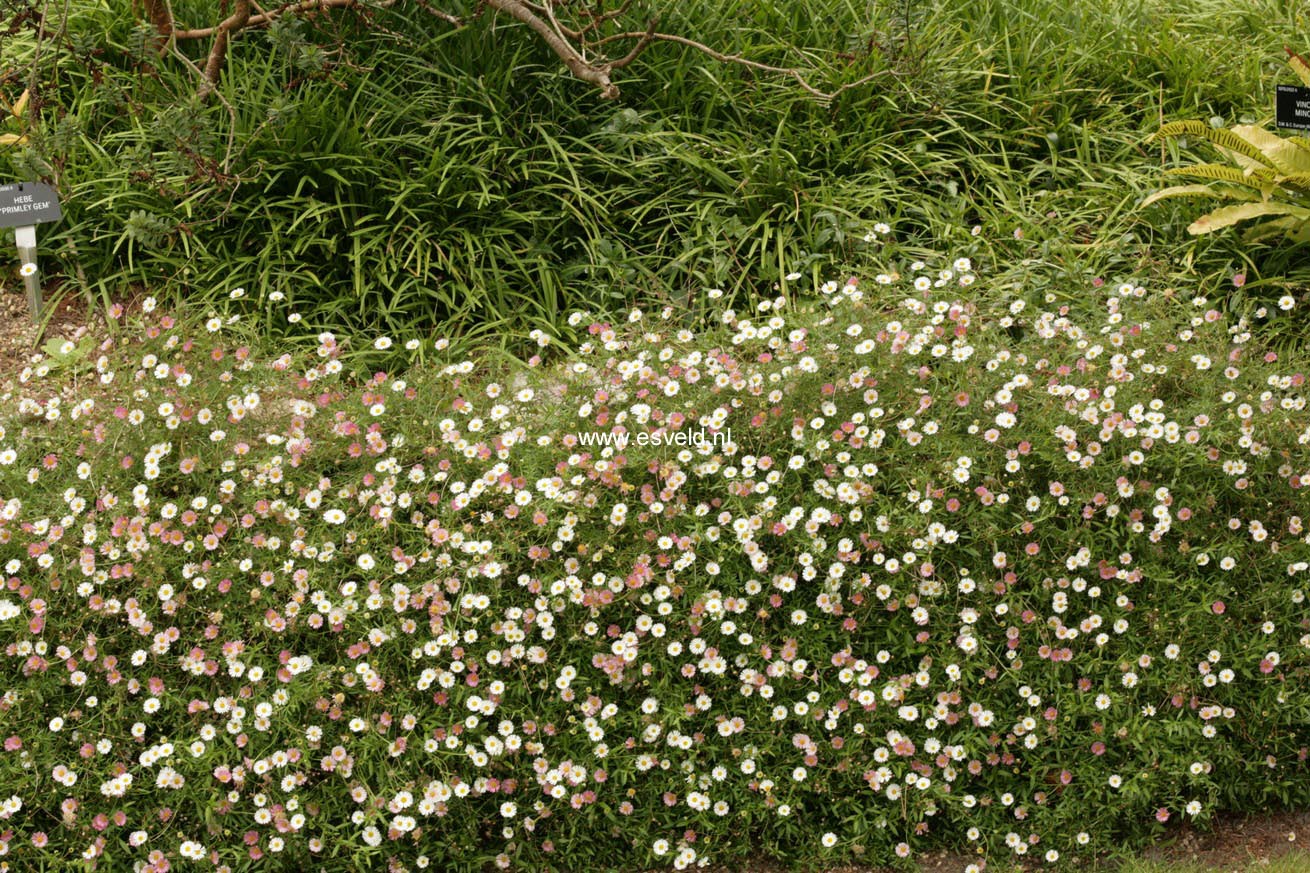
(23, 206)
(25, 237)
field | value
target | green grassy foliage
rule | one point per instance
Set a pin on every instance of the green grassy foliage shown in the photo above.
(428, 175)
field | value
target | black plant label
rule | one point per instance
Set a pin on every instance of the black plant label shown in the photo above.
(1292, 107)
(26, 203)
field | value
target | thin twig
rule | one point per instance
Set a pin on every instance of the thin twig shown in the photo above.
(297, 8)
(722, 58)
(231, 110)
(646, 39)
(564, 32)
(597, 18)
(453, 20)
(602, 17)
(597, 75)
(33, 117)
(699, 46)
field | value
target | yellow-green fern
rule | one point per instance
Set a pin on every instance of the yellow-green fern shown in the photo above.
(1269, 176)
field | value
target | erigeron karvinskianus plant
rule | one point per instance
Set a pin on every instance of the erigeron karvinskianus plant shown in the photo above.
(1269, 176)
(934, 587)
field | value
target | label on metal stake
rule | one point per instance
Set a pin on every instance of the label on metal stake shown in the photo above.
(27, 203)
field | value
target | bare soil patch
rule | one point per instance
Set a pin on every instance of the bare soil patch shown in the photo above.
(1236, 844)
(1237, 841)
(18, 332)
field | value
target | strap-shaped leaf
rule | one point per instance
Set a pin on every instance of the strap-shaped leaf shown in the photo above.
(1202, 191)
(1179, 191)
(1226, 216)
(1218, 135)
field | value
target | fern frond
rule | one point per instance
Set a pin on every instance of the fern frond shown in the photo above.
(1225, 192)
(1180, 191)
(1261, 179)
(1226, 216)
(1299, 181)
(1278, 152)
(1218, 135)
(1248, 195)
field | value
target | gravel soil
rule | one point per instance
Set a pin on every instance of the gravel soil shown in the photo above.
(18, 332)
(1234, 844)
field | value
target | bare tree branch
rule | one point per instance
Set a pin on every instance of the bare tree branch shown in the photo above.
(231, 110)
(646, 39)
(571, 41)
(796, 74)
(564, 32)
(601, 17)
(596, 17)
(218, 51)
(301, 7)
(161, 17)
(596, 74)
(452, 20)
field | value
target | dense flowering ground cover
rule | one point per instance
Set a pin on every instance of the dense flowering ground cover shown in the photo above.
(971, 570)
